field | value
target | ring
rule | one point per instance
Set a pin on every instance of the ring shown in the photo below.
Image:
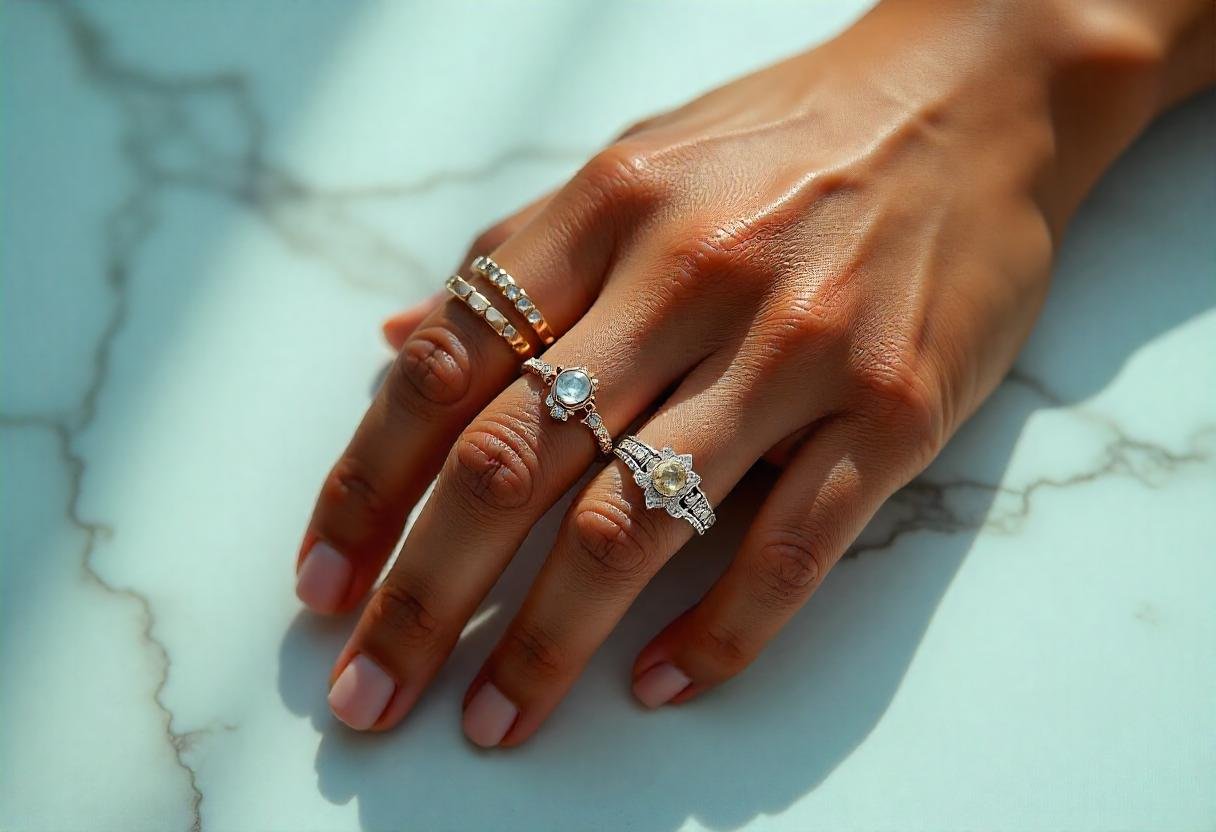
(668, 481)
(515, 293)
(572, 389)
(480, 304)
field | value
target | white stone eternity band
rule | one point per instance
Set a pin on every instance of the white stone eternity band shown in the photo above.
(668, 481)
(502, 280)
(571, 390)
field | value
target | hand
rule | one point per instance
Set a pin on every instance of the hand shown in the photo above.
(832, 261)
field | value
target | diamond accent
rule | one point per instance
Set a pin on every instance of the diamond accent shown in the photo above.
(508, 331)
(559, 412)
(512, 292)
(534, 317)
(478, 302)
(523, 304)
(495, 319)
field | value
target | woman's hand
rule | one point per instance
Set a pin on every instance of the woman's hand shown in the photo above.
(832, 262)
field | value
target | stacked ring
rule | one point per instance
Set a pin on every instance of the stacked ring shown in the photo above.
(480, 304)
(515, 293)
(571, 389)
(668, 481)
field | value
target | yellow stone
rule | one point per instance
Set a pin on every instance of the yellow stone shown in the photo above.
(669, 477)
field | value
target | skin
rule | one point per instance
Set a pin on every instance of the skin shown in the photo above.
(830, 262)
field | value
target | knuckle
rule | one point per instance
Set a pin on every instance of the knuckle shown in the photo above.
(433, 367)
(728, 253)
(612, 540)
(402, 617)
(351, 492)
(725, 647)
(624, 172)
(534, 652)
(899, 398)
(795, 325)
(789, 565)
(497, 462)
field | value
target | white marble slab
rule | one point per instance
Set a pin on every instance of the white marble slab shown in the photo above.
(207, 210)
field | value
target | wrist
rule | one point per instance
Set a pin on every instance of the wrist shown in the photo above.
(1070, 82)
(1113, 66)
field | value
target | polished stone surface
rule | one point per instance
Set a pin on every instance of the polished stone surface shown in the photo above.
(572, 387)
(669, 477)
(207, 211)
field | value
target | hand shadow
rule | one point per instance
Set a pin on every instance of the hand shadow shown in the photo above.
(772, 735)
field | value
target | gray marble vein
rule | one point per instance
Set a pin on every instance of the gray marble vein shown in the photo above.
(164, 149)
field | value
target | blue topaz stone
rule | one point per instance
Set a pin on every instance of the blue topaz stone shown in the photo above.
(572, 387)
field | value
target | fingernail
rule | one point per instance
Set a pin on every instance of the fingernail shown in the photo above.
(324, 578)
(361, 693)
(660, 684)
(489, 716)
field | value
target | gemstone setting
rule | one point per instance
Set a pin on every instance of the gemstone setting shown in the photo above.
(572, 387)
(668, 481)
(669, 477)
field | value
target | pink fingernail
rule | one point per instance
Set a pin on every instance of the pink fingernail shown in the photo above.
(324, 578)
(660, 684)
(489, 716)
(361, 693)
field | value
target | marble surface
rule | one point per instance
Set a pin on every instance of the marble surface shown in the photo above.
(208, 209)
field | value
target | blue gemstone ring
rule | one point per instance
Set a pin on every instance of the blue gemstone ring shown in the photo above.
(571, 391)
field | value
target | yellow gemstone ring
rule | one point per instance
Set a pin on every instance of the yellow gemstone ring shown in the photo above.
(668, 481)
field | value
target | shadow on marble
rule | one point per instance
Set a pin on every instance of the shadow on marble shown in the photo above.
(773, 735)
(751, 748)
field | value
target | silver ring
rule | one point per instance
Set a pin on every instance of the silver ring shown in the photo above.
(668, 481)
(571, 390)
